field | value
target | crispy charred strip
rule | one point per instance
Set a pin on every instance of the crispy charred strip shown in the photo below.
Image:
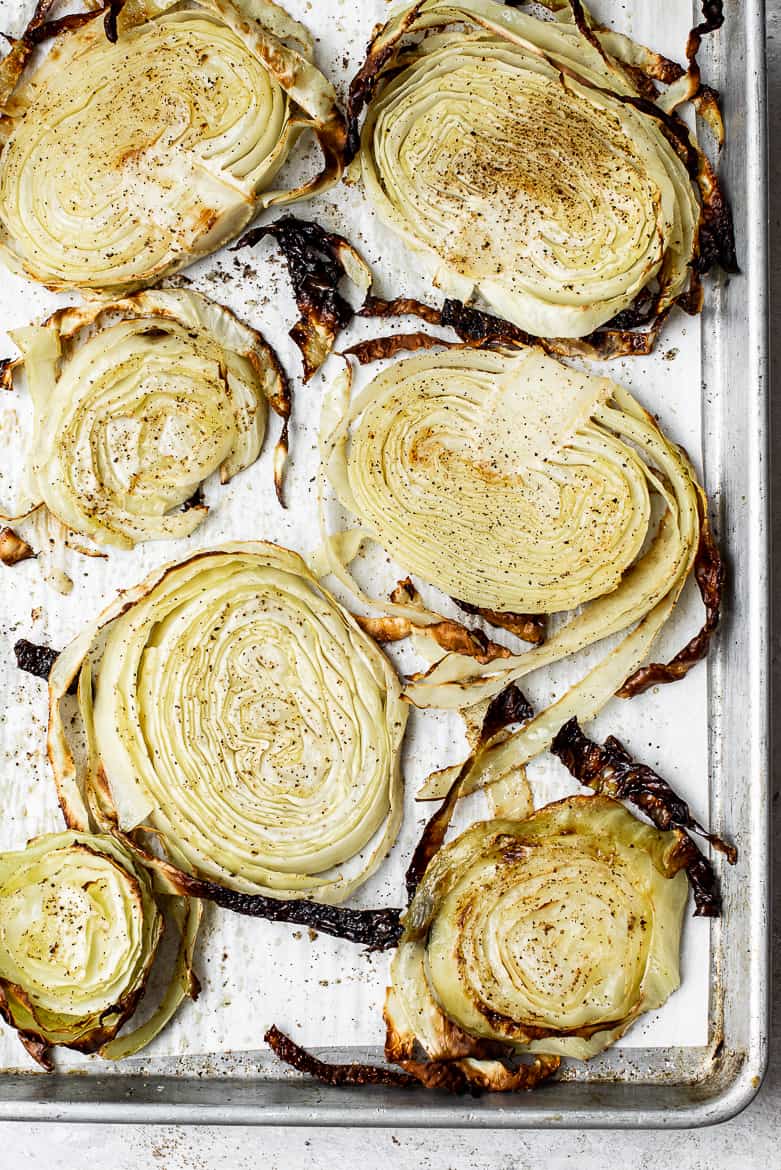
(333, 1074)
(364, 83)
(38, 660)
(40, 30)
(399, 307)
(709, 575)
(451, 636)
(13, 548)
(434, 832)
(716, 243)
(113, 9)
(712, 19)
(609, 769)
(433, 1074)
(314, 259)
(38, 1049)
(509, 707)
(37, 21)
(621, 337)
(530, 627)
(379, 348)
(35, 659)
(378, 930)
(195, 500)
(53, 28)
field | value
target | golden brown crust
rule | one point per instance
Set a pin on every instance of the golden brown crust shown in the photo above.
(529, 627)
(13, 548)
(378, 349)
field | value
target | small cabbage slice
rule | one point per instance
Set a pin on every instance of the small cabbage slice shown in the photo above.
(79, 928)
(548, 936)
(136, 403)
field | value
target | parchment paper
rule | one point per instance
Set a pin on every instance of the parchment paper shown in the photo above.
(256, 973)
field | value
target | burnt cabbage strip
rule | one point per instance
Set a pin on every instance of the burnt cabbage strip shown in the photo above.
(509, 707)
(333, 1074)
(378, 930)
(35, 659)
(610, 770)
(709, 575)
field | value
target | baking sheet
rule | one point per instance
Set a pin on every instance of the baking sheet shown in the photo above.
(256, 973)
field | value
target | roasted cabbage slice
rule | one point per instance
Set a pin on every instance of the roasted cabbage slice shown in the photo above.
(79, 929)
(517, 486)
(243, 732)
(536, 163)
(548, 936)
(136, 403)
(122, 161)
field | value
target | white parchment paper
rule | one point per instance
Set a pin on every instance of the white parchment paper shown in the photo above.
(256, 973)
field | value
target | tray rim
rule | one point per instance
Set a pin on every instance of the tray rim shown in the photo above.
(144, 1099)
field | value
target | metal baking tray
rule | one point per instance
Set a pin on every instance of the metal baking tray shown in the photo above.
(631, 1087)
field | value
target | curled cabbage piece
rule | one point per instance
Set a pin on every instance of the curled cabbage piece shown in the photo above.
(540, 164)
(136, 403)
(124, 160)
(548, 936)
(242, 733)
(79, 930)
(517, 485)
(317, 262)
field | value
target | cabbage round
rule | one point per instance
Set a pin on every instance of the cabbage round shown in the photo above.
(79, 928)
(137, 403)
(519, 155)
(124, 162)
(515, 484)
(550, 936)
(237, 712)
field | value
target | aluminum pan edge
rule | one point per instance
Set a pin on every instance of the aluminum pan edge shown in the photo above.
(730, 1073)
